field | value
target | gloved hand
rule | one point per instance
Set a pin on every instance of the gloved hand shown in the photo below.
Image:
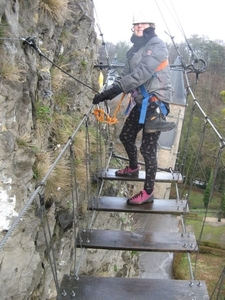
(107, 94)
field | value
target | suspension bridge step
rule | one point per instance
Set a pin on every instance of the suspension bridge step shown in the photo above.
(109, 174)
(137, 241)
(119, 204)
(118, 288)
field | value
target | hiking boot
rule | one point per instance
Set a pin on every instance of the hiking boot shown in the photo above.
(128, 172)
(140, 198)
(156, 121)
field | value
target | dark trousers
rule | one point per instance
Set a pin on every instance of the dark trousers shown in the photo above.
(148, 147)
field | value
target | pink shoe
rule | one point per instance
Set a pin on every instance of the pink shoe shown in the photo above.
(128, 172)
(140, 198)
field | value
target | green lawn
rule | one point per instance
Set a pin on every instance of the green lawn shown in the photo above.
(196, 199)
(212, 232)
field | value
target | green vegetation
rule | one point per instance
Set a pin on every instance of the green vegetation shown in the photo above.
(115, 268)
(209, 92)
(43, 112)
(207, 192)
(208, 268)
(211, 233)
(222, 207)
(196, 203)
(134, 253)
(83, 64)
(62, 100)
(208, 264)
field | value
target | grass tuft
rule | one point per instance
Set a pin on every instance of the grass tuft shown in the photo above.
(58, 182)
(56, 9)
(25, 142)
(11, 72)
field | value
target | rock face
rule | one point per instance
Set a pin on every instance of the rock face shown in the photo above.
(35, 33)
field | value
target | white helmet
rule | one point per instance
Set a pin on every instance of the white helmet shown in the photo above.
(142, 18)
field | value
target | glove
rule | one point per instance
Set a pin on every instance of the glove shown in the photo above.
(107, 94)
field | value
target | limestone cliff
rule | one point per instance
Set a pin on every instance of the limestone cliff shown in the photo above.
(32, 88)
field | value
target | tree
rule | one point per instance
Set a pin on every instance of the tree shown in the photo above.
(121, 50)
(207, 193)
(222, 206)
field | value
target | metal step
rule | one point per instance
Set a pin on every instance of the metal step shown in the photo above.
(119, 204)
(118, 288)
(137, 241)
(109, 174)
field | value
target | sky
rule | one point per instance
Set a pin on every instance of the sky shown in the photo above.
(178, 18)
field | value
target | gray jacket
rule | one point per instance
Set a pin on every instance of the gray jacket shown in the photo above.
(141, 69)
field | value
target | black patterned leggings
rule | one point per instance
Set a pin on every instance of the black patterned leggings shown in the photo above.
(148, 147)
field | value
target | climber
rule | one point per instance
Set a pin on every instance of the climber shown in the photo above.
(146, 76)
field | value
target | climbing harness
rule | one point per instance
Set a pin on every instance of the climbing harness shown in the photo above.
(150, 97)
(103, 117)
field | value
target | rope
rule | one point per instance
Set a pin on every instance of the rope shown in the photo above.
(104, 117)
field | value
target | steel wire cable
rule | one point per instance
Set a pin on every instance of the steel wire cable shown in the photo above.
(49, 245)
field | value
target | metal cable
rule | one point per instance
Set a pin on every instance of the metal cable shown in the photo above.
(49, 246)
(101, 34)
(73, 187)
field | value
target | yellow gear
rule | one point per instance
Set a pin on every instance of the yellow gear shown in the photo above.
(100, 80)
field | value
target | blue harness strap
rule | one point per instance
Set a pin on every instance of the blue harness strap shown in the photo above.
(163, 108)
(145, 103)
